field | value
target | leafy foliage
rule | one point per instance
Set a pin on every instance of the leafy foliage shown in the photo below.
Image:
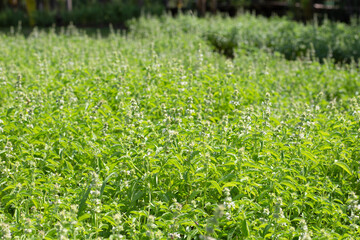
(153, 135)
(95, 14)
(330, 40)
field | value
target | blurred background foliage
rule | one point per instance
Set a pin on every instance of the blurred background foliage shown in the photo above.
(98, 13)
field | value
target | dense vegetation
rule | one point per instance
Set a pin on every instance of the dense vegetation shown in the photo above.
(331, 40)
(100, 13)
(153, 135)
(83, 14)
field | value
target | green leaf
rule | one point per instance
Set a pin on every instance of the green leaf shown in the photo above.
(104, 183)
(109, 220)
(167, 216)
(245, 228)
(137, 196)
(309, 155)
(289, 184)
(344, 166)
(82, 204)
(176, 163)
(230, 184)
(208, 147)
(36, 203)
(216, 186)
(266, 229)
(9, 187)
(84, 217)
(9, 110)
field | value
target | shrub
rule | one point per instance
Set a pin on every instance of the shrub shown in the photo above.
(9, 17)
(329, 40)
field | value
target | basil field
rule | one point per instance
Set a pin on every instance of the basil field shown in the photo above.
(181, 128)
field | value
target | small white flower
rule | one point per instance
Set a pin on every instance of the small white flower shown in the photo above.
(174, 235)
(266, 211)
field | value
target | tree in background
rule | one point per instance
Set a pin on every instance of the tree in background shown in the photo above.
(308, 9)
(31, 9)
(213, 6)
(69, 5)
(201, 7)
